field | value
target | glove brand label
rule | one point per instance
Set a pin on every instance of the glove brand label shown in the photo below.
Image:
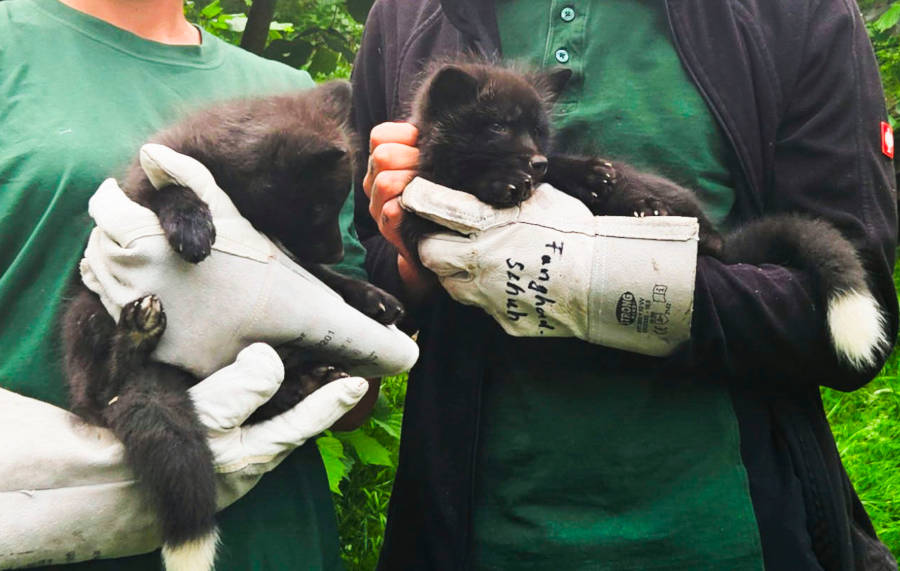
(626, 309)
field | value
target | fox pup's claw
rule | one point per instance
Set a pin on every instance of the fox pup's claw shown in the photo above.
(650, 207)
(504, 189)
(599, 174)
(144, 320)
(381, 306)
(374, 302)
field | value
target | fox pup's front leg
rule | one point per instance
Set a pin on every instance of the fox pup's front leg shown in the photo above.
(611, 188)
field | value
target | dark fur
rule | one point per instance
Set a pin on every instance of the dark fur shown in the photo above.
(285, 162)
(483, 127)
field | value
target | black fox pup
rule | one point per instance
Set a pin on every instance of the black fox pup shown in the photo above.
(485, 129)
(285, 162)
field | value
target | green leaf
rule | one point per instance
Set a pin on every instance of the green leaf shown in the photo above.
(888, 20)
(338, 43)
(211, 10)
(295, 53)
(359, 9)
(323, 61)
(282, 26)
(369, 450)
(332, 452)
(391, 425)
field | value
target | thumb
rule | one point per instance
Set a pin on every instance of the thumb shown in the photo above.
(165, 166)
(449, 255)
(309, 417)
(229, 396)
(454, 209)
(118, 216)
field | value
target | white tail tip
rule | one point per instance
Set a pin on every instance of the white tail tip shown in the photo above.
(195, 555)
(857, 328)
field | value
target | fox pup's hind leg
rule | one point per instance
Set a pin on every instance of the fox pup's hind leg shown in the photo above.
(87, 332)
(141, 324)
(153, 415)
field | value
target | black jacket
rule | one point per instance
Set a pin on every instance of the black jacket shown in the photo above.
(795, 88)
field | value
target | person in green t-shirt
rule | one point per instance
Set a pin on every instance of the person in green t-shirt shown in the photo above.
(84, 82)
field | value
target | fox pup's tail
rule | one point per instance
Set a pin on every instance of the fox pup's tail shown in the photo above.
(166, 446)
(856, 323)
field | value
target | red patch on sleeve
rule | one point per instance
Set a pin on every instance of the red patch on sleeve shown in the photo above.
(887, 140)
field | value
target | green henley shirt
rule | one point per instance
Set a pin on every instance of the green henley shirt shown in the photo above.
(590, 458)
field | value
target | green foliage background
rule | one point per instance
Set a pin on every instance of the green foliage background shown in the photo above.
(322, 37)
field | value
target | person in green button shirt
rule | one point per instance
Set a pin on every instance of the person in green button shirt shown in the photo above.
(82, 84)
(528, 453)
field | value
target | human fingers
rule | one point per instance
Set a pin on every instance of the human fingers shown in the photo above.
(393, 132)
(384, 204)
(230, 395)
(389, 157)
(312, 415)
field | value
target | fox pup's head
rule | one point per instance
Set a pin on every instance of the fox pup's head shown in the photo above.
(286, 163)
(485, 129)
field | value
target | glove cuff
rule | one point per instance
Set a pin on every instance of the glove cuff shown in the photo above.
(641, 296)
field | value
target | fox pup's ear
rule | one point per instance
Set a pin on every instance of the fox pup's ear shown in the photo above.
(450, 88)
(339, 97)
(327, 156)
(553, 81)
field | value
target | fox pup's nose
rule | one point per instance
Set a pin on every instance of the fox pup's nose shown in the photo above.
(538, 165)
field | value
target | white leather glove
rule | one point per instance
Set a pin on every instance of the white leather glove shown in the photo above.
(67, 495)
(247, 290)
(549, 268)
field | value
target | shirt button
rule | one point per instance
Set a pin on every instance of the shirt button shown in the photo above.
(567, 14)
(562, 56)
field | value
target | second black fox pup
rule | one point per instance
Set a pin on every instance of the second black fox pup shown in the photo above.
(486, 129)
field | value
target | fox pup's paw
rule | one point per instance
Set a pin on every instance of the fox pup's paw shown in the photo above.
(374, 302)
(505, 187)
(589, 179)
(299, 382)
(323, 374)
(144, 321)
(186, 221)
(650, 207)
(191, 234)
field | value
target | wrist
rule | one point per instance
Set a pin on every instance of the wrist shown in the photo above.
(417, 284)
(641, 291)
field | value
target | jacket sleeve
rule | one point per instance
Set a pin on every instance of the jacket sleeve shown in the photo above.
(826, 161)
(371, 107)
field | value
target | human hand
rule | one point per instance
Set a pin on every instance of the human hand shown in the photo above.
(247, 290)
(549, 268)
(225, 399)
(67, 493)
(393, 160)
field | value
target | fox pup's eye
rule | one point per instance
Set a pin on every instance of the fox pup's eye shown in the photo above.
(498, 128)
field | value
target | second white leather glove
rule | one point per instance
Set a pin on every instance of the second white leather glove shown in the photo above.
(67, 495)
(549, 268)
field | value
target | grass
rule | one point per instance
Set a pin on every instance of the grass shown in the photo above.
(362, 506)
(866, 426)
